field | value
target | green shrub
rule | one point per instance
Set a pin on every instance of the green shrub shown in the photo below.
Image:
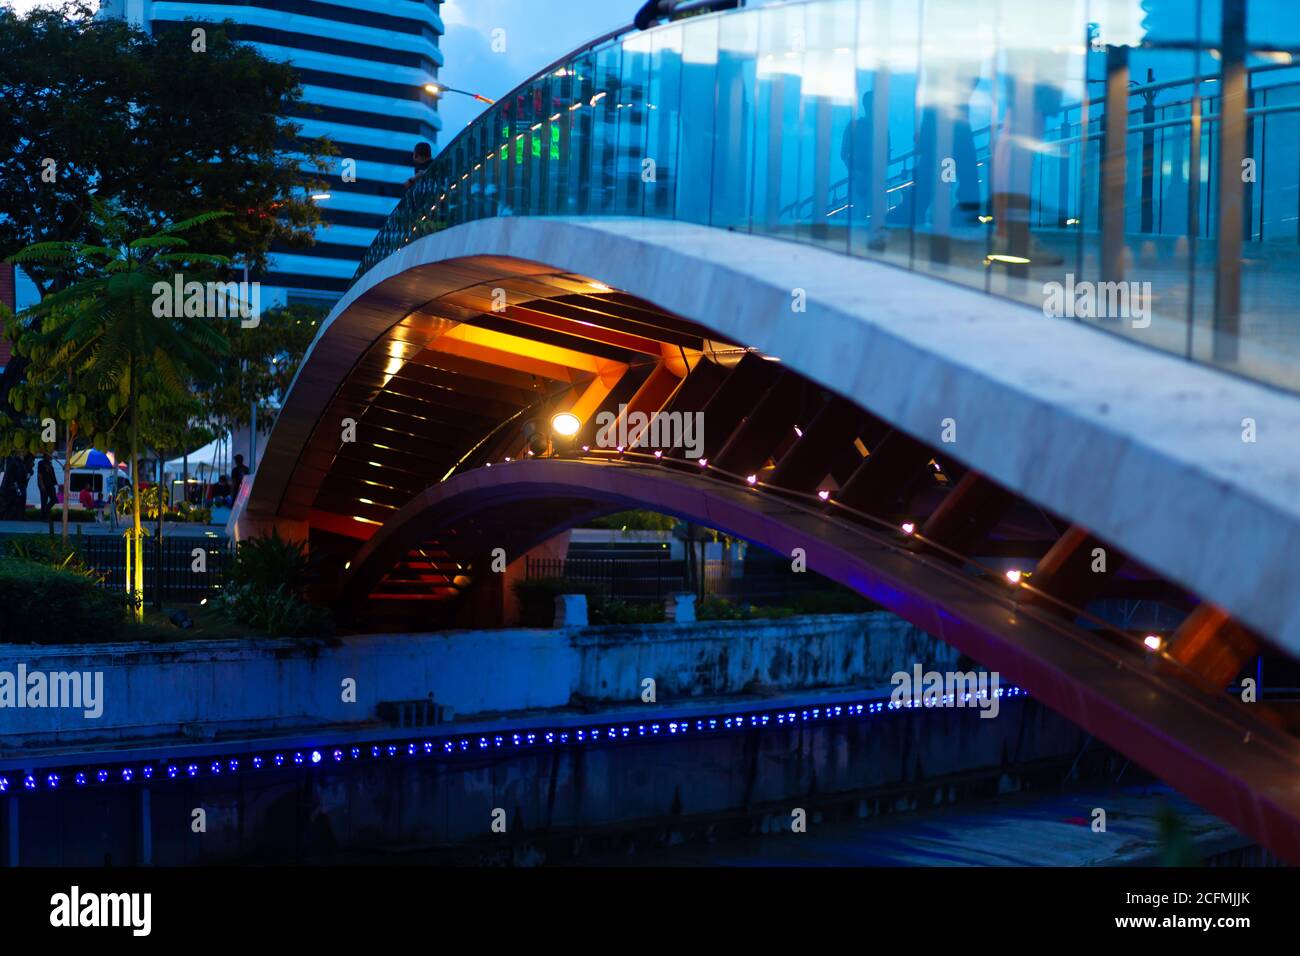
(270, 562)
(41, 604)
(148, 501)
(719, 609)
(265, 591)
(52, 552)
(184, 511)
(277, 611)
(607, 610)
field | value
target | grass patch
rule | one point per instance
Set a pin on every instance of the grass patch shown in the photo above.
(209, 625)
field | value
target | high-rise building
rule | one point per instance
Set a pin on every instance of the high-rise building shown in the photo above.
(363, 69)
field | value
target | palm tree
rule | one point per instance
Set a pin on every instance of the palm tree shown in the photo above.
(114, 336)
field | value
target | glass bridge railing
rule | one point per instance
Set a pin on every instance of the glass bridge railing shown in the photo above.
(1133, 164)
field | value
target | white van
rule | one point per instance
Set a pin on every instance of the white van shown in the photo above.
(98, 480)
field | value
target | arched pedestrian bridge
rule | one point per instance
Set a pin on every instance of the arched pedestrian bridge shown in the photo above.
(875, 376)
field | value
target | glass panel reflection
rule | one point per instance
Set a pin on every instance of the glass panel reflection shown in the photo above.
(1132, 165)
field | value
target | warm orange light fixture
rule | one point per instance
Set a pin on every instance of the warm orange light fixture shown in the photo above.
(566, 424)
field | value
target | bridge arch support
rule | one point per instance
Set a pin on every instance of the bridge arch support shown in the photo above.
(1177, 731)
(1102, 440)
(1140, 448)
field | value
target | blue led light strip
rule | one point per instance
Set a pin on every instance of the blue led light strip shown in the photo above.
(104, 773)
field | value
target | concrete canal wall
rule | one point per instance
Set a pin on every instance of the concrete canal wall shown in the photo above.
(207, 689)
(551, 804)
(160, 703)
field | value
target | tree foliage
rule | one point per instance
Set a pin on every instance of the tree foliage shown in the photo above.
(262, 363)
(160, 131)
(105, 331)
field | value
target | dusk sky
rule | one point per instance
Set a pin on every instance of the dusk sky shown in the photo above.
(536, 33)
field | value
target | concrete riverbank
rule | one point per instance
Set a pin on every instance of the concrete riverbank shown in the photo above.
(211, 690)
(296, 750)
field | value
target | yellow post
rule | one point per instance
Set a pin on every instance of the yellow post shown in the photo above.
(134, 571)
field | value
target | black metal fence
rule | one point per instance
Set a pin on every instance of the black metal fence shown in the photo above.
(184, 568)
(651, 579)
(637, 579)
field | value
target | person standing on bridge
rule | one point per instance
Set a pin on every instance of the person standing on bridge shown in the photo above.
(944, 145)
(421, 160)
(868, 201)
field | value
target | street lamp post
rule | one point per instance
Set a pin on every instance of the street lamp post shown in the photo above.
(437, 89)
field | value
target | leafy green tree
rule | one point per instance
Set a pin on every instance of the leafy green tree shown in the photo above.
(52, 395)
(116, 343)
(262, 363)
(174, 424)
(156, 128)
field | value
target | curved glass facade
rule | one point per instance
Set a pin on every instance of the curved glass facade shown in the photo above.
(1134, 165)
